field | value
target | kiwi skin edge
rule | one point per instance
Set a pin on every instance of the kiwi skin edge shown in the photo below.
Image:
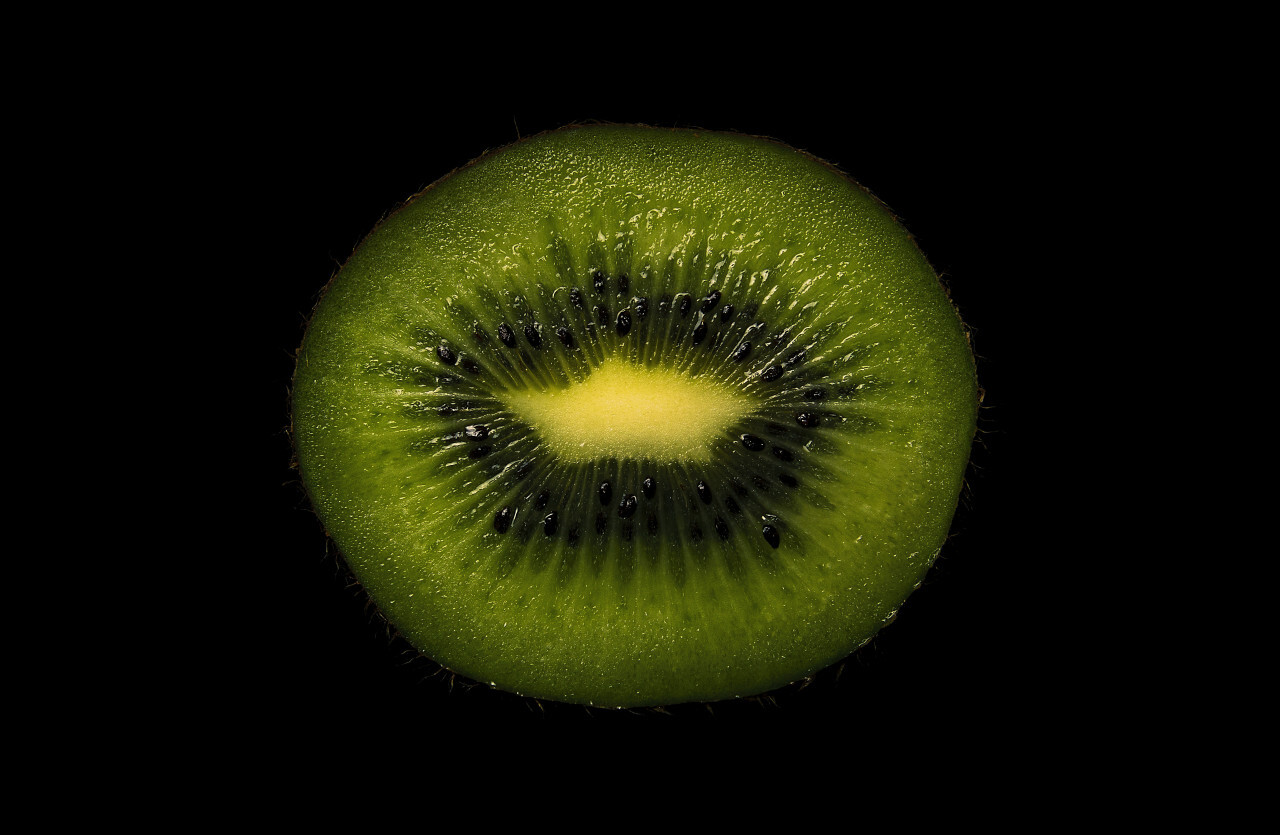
(302, 358)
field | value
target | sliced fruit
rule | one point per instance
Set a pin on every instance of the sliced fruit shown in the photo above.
(630, 416)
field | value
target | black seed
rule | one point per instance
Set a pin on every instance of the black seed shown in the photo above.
(476, 431)
(479, 452)
(447, 409)
(699, 332)
(642, 307)
(573, 537)
(549, 523)
(602, 314)
(605, 492)
(648, 487)
(771, 535)
(788, 479)
(502, 520)
(597, 281)
(685, 303)
(651, 524)
(771, 373)
(816, 394)
(721, 528)
(807, 419)
(740, 353)
(470, 365)
(506, 335)
(796, 357)
(783, 454)
(543, 498)
(602, 523)
(627, 507)
(731, 505)
(711, 301)
(446, 380)
(624, 285)
(726, 312)
(624, 322)
(704, 492)
(531, 334)
(575, 298)
(478, 333)
(447, 356)
(664, 304)
(566, 336)
(752, 443)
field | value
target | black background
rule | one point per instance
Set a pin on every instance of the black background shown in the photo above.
(976, 655)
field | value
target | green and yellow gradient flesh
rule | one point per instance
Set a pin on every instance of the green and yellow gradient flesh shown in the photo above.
(654, 620)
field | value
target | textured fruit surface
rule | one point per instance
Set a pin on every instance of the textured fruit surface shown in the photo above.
(630, 416)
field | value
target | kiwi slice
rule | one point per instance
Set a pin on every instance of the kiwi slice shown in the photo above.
(631, 416)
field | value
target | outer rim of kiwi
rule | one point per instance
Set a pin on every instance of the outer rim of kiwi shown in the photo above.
(490, 153)
(485, 155)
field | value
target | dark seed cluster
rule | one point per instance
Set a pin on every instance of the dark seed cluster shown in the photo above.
(772, 469)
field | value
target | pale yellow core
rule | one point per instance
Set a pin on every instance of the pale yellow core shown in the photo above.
(627, 411)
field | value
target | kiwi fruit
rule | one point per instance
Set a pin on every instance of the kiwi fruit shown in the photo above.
(629, 416)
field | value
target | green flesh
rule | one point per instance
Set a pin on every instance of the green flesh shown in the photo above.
(684, 599)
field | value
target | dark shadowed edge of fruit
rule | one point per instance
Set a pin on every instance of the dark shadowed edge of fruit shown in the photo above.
(434, 677)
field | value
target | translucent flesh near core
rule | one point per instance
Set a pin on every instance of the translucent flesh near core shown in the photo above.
(628, 613)
(627, 411)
